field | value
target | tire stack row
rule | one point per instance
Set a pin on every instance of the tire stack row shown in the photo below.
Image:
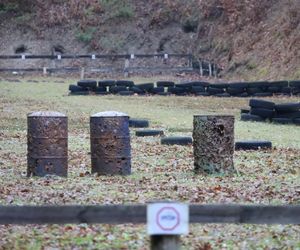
(86, 87)
(261, 110)
(197, 88)
(257, 89)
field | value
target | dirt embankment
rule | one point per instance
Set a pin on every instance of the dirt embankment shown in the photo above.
(249, 39)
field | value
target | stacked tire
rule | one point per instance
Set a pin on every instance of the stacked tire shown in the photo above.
(122, 87)
(262, 110)
(295, 87)
(194, 88)
(279, 88)
(146, 88)
(287, 113)
(83, 87)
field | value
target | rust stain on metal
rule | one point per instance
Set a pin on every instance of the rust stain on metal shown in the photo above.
(47, 139)
(110, 143)
(213, 140)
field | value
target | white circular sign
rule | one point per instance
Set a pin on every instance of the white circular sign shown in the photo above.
(168, 218)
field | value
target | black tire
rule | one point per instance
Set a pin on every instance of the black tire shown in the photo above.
(190, 84)
(136, 90)
(157, 90)
(280, 94)
(102, 93)
(265, 113)
(214, 91)
(202, 94)
(222, 95)
(290, 115)
(196, 89)
(253, 118)
(286, 90)
(142, 133)
(75, 88)
(219, 85)
(138, 123)
(264, 94)
(185, 85)
(274, 89)
(80, 93)
(235, 90)
(91, 84)
(238, 85)
(100, 89)
(282, 120)
(253, 90)
(253, 145)
(165, 84)
(281, 84)
(117, 89)
(295, 83)
(295, 91)
(125, 93)
(182, 94)
(106, 83)
(147, 87)
(296, 121)
(164, 93)
(244, 94)
(245, 111)
(198, 84)
(124, 83)
(287, 107)
(262, 85)
(176, 90)
(176, 140)
(256, 103)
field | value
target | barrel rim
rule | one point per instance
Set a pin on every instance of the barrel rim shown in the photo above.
(213, 115)
(46, 114)
(109, 114)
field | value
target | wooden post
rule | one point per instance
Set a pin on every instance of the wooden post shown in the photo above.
(166, 221)
(213, 144)
(126, 66)
(44, 71)
(200, 68)
(165, 242)
(82, 71)
(215, 71)
(191, 61)
(210, 69)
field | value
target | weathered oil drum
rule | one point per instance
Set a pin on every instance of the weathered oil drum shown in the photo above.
(47, 137)
(110, 143)
(213, 141)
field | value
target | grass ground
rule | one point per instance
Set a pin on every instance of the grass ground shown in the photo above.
(158, 171)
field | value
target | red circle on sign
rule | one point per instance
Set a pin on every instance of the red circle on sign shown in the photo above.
(167, 228)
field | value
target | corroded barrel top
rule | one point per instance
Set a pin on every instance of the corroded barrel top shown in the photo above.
(46, 114)
(200, 116)
(110, 114)
(47, 124)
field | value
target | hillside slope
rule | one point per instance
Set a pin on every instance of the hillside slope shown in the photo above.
(249, 39)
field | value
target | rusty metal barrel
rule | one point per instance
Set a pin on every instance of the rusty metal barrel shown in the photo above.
(47, 137)
(213, 141)
(110, 143)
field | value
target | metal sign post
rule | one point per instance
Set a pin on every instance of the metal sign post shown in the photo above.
(165, 223)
